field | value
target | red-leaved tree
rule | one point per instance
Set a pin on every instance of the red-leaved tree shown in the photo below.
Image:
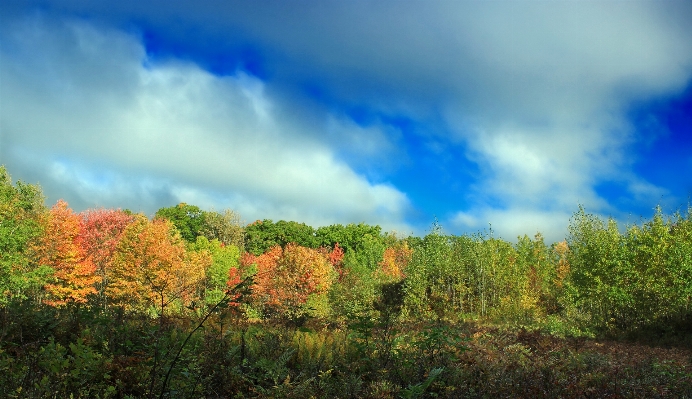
(100, 233)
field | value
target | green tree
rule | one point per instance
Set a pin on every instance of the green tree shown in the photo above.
(262, 235)
(188, 219)
(427, 276)
(350, 237)
(223, 258)
(601, 279)
(353, 296)
(660, 255)
(21, 213)
(453, 276)
(533, 275)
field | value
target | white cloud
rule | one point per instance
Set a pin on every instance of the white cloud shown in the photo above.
(552, 123)
(111, 126)
(511, 223)
(535, 91)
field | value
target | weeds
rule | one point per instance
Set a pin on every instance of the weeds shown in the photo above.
(433, 359)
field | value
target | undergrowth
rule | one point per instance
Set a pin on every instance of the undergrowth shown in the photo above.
(82, 353)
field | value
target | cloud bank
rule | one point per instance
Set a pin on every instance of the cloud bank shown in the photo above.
(109, 128)
(505, 113)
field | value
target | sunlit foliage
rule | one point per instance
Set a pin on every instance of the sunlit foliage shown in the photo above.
(74, 272)
(225, 227)
(191, 304)
(225, 261)
(188, 219)
(21, 216)
(100, 233)
(287, 278)
(151, 269)
(395, 260)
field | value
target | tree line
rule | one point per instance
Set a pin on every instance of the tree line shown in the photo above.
(603, 279)
(108, 303)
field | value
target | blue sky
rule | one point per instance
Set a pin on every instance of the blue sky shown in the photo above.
(507, 114)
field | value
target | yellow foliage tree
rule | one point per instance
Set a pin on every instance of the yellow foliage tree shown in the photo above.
(394, 262)
(151, 269)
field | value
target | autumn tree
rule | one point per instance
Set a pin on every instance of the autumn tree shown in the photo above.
(558, 253)
(233, 279)
(395, 259)
(100, 233)
(59, 248)
(335, 256)
(151, 269)
(263, 269)
(292, 282)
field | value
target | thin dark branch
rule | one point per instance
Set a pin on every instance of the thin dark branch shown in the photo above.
(201, 323)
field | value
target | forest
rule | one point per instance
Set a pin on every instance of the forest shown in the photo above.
(193, 303)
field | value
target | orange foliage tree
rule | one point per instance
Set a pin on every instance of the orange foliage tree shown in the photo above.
(151, 269)
(100, 232)
(286, 279)
(394, 262)
(264, 267)
(59, 248)
(336, 256)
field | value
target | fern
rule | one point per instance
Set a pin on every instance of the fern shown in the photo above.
(415, 391)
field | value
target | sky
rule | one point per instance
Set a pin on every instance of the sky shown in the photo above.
(482, 115)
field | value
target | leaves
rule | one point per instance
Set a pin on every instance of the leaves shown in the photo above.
(286, 278)
(100, 233)
(59, 248)
(21, 224)
(188, 219)
(262, 235)
(151, 268)
(225, 227)
(395, 260)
